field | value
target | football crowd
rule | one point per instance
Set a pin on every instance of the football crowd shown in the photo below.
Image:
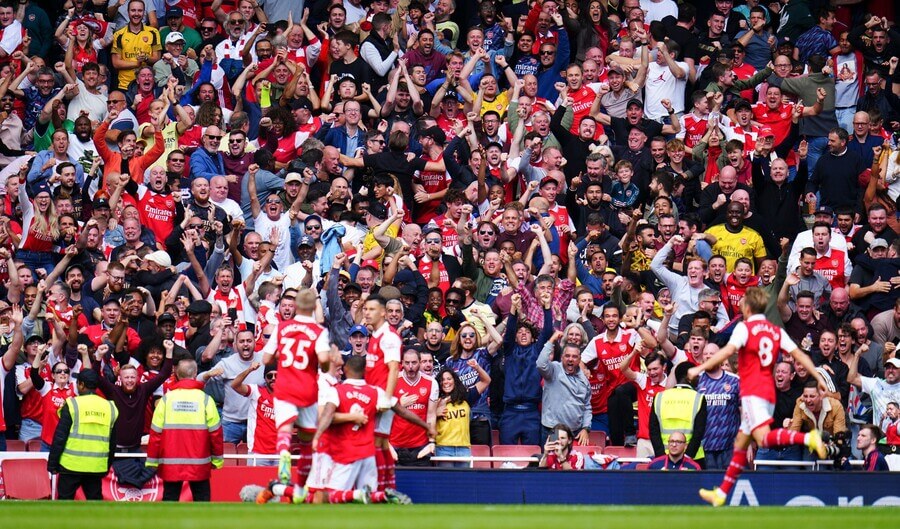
(529, 218)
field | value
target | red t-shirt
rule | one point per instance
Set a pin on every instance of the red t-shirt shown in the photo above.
(778, 119)
(433, 182)
(157, 212)
(52, 401)
(832, 266)
(647, 391)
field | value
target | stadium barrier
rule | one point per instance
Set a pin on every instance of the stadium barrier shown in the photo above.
(536, 486)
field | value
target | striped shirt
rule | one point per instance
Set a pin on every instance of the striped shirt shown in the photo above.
(723, 414)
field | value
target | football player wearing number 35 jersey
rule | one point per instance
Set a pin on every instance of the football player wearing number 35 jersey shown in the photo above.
(758, 344)
(299, 346)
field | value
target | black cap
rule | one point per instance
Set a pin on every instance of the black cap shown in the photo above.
(174, 12)
(435, 133)
(824, 210)
(199, 307)
(100, 203)
(89, 378)
(408, 290)
(111, 299)
(377, 210)
(635, 101)
(301, 102)
(742, 104)
(35, 338)
(75, 266)
(353, 286)
(166, 317)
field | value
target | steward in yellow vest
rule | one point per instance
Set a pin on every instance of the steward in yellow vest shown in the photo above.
(84, 441)
(679, 409)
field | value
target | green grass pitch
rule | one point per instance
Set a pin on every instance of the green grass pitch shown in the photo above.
(44, 515)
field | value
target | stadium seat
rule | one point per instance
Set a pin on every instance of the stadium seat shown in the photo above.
(481, 451)
(642, 466)
(621, 451)
(26, 479)
(231, 448)
(14, 445)
(34, 445)
(597, 439)
(514, 451)
(588, 449)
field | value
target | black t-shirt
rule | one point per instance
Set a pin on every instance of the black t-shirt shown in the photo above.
(621, 127)
(396, 163)
(686, 40)
(358, 70)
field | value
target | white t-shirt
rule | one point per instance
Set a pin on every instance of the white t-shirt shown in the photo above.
(658, 10)
(264, 225)
(231, 207)
(662, 84)
(95, 104)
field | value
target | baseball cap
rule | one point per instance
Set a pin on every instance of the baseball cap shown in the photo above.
(408, 290)
(306, 240)
(100, 203)
(451, 95)
(165, 317)
(369, 262)
(389, 292)
(173, 12)
(293, 177)
(877, 243)
(301, 102)
(742, 104)
(892, 362)
(35, 338)
(174, 37)
(404, 276)
(786, 41)
(548, 180)
(377, 210)
(435, 133)
(200, 306)
(4, 306)
(159, 257)
(359, 329)
(352, 286)
(765, 132)
(616, 69)
(634, 101)
(824, 210)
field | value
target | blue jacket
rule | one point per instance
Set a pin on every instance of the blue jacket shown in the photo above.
(549, 77)
(523, 382)
(205, 165)
(337, 137)
(37, 177)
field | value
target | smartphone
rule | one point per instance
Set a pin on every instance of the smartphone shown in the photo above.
(554, 437)
(232, 314)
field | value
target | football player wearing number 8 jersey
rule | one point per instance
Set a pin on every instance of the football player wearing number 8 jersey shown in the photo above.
(300, 346)
(758, 344)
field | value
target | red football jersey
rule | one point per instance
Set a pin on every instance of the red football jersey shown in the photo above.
(606, 374)
(52, 401)
(348, 442)
(403, 433)
(647, 390)
(582, 99)
(261, 431)
(779, 119)
(157, 212)
(384, 347)
(296, 345)
(759, 343)
(833, 267)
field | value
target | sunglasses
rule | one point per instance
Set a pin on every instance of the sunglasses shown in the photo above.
(61, 372)
(548, 52)
(114, 101)
(432, 241)
(314, 227)
(378, 141)
(235, 22)
(217, 138)
(236, 141)
(207, 28)
(177, 160)
(485, 232)
(467, 335)
(453, 301)
(270, 376)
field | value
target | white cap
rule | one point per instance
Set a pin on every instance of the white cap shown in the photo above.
(174, 37)
(160, 257)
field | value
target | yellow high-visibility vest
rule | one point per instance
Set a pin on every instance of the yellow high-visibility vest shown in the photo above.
(676, 409)
(87, 449)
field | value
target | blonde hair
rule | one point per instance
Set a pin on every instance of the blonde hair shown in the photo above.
(456, 346)
(48, 223)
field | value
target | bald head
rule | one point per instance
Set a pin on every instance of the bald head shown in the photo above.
(728, 179)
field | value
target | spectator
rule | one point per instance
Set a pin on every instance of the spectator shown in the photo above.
(675, 458)
(558, 453)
